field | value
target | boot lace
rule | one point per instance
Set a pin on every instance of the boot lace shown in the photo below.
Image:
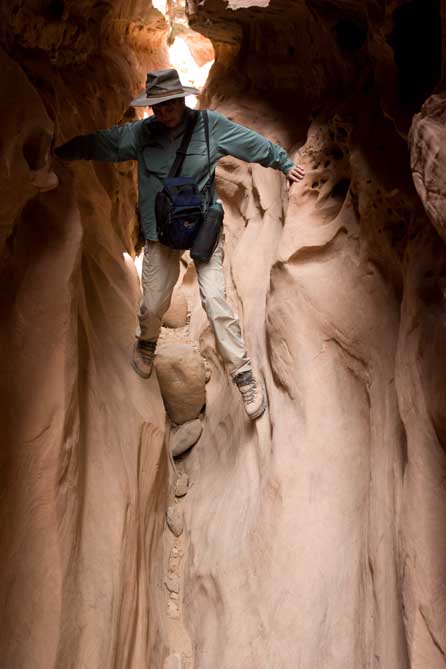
(147, 350)
(247, 386)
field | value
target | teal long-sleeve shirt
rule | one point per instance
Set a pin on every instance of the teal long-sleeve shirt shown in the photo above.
(154, 147)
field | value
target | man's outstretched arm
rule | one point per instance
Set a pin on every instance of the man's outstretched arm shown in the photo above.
(236, 140)
(116, 144)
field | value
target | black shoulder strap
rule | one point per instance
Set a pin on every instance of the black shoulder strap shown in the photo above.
(182, 149)
(206, 134)
(209, 187)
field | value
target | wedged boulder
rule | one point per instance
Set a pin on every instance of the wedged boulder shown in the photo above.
(182, 485)
(186, 436)
(175, 521)
(176, 315)
(182, 379)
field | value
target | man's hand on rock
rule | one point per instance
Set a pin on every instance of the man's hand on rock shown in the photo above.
(295, 175)
(44, 177)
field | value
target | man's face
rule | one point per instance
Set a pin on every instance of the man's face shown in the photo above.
(170, 113)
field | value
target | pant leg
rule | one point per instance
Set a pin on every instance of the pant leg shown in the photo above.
(160, 271)
(224, 322)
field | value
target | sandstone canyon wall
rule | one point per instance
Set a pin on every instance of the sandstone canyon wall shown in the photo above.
(315, 537)
(82, 473)
(323, 542)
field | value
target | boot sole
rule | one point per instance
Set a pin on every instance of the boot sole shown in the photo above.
(143, 375)
(261, 410)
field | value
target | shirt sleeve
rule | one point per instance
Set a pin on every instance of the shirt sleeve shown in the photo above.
(235, 140)
(116, 144)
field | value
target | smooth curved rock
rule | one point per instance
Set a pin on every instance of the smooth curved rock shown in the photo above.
(181, 376)
(82, 471)
(174, 519)
(176, 315)
(186, 436)
(332, 518)
(315, 539)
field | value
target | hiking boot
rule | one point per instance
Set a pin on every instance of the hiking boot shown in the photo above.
(252, 394)
(143, 355)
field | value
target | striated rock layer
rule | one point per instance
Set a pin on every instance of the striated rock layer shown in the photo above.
(317, 535)
(314, 537)
(83, 477)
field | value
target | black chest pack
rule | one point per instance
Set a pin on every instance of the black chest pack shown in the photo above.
(186, 218)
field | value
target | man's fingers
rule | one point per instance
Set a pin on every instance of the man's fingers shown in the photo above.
(296, 173)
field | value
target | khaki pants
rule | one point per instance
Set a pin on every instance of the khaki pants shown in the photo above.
(160, 271)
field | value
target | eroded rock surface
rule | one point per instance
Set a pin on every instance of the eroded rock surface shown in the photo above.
(314, 537)
(428, 158)
(327, 522)
(181, 374)
(176, 315)
(83, 470)
(174, 519)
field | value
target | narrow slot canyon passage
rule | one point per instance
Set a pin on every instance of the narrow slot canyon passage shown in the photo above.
(148, 523)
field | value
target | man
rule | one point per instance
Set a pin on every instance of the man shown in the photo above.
(153, 143)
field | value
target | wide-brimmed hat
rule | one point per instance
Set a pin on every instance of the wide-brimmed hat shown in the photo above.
(161, 86)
